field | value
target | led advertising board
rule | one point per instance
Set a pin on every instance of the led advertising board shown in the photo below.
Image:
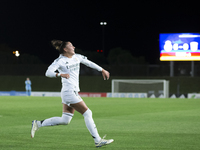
(179, 46)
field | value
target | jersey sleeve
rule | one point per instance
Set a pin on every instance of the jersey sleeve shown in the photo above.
(52, 68)
(85, 61)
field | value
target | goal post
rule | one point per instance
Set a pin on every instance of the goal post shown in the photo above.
(154, 87)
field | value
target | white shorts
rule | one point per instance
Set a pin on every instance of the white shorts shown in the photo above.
(70, 97)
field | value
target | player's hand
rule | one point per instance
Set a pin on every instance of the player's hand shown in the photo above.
(65, 76)
(105, 74)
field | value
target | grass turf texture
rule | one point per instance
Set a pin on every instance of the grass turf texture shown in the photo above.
(140, 124)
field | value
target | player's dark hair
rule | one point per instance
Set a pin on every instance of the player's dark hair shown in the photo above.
(59, 45)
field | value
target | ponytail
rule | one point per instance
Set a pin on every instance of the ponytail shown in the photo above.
(59, 45)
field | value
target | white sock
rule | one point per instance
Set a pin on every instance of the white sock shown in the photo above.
(64, 120)
(91, 125)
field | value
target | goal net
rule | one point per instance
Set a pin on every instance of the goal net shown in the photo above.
(154, 87)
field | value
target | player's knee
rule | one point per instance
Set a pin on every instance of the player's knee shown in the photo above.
(87, 113)
(66, 118)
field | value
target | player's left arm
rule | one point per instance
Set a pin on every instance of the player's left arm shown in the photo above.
(105, 73)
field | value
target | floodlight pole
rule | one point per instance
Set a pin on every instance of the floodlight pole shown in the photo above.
(192, 69)
(171, 68)
(103, 24)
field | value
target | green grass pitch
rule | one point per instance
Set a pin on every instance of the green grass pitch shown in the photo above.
(134, 124)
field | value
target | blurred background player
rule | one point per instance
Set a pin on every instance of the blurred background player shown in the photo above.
(28, 86)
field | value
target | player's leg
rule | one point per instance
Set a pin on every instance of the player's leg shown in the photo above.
(26, 90)
(65, 119)
(82, 108)
(79, 105)
(29, 91)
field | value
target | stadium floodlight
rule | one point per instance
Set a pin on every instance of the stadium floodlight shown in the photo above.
(149, 86)
(16, 53)
(103, 23)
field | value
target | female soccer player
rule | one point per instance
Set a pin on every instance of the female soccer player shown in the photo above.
(28, 87)
(68, 66)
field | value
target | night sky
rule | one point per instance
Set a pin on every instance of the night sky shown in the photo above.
(29, 26)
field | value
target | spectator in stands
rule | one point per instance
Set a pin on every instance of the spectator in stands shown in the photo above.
(68, 66)
(28, 86)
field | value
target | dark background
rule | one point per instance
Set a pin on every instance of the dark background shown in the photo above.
(29, 26)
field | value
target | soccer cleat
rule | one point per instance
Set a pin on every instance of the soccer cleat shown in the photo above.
(34, 128)
(103, 142)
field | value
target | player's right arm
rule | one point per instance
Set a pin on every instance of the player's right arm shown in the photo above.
(51, 71)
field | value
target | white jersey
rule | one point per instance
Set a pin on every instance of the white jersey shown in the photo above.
(70, 66)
